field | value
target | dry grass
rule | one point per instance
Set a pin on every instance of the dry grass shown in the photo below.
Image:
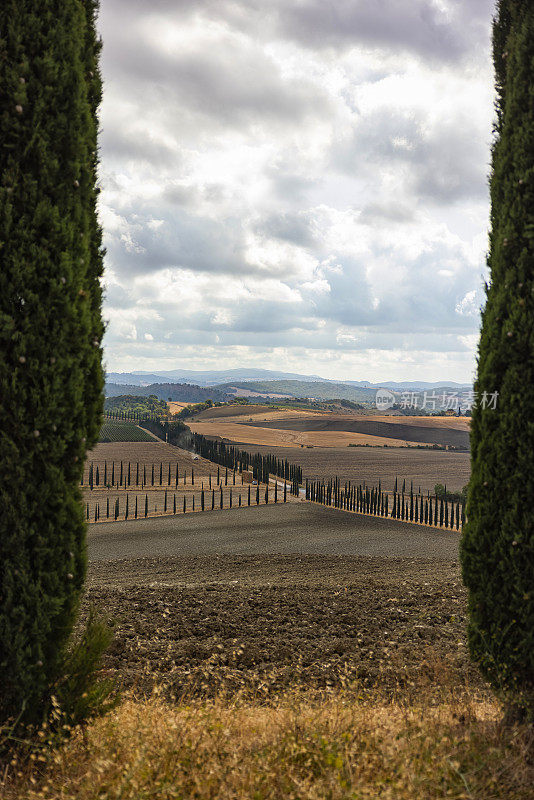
(341, 746)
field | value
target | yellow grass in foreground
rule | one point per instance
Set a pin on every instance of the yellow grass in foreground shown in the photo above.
(305, 749)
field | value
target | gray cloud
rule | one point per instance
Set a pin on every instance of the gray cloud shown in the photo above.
(240, 157)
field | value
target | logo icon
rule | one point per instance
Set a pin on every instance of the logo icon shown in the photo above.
(384, 399)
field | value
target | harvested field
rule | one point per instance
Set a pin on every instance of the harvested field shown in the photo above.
(358, 464)
(373, 429)
(175, 407)
(286, 437)
(233, 411)
(292, 428)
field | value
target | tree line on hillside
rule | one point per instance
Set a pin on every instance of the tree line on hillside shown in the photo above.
(261, 465)
(179, 392)
(136, 404)
(209, 499)
(406, 506)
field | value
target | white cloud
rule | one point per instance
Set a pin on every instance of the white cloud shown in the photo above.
(309, 177)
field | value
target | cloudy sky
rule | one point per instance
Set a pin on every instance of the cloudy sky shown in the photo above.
(296, 184)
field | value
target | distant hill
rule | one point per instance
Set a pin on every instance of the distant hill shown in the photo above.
(236, 377)
(410, 386)
(206, 377)
(320, 390)
(181, 392)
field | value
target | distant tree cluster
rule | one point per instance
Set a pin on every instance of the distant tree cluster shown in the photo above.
(178, 392)
(136, 404)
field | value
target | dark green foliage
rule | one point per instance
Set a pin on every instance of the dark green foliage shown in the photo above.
(498, 539)
(79, 692)
(51, 378)
(135, 406)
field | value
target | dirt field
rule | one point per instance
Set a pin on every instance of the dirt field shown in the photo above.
(358, 464)
(241, 600)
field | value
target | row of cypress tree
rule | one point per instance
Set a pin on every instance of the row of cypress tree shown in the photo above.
(208, 498)
(129, 473)
(261, 465)
(435, 511)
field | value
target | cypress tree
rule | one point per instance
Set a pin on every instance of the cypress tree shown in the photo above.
(146, 505)
(135, 507)
(184, 503)
(51, 377)
(497, 549)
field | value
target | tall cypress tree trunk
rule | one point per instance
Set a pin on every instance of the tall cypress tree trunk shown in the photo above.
(498, 539)
(51, 377)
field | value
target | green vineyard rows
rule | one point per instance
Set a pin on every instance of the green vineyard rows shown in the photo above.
(123, 432)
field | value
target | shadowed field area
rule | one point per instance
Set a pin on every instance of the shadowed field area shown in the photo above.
(359, 464)
(298, 527)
